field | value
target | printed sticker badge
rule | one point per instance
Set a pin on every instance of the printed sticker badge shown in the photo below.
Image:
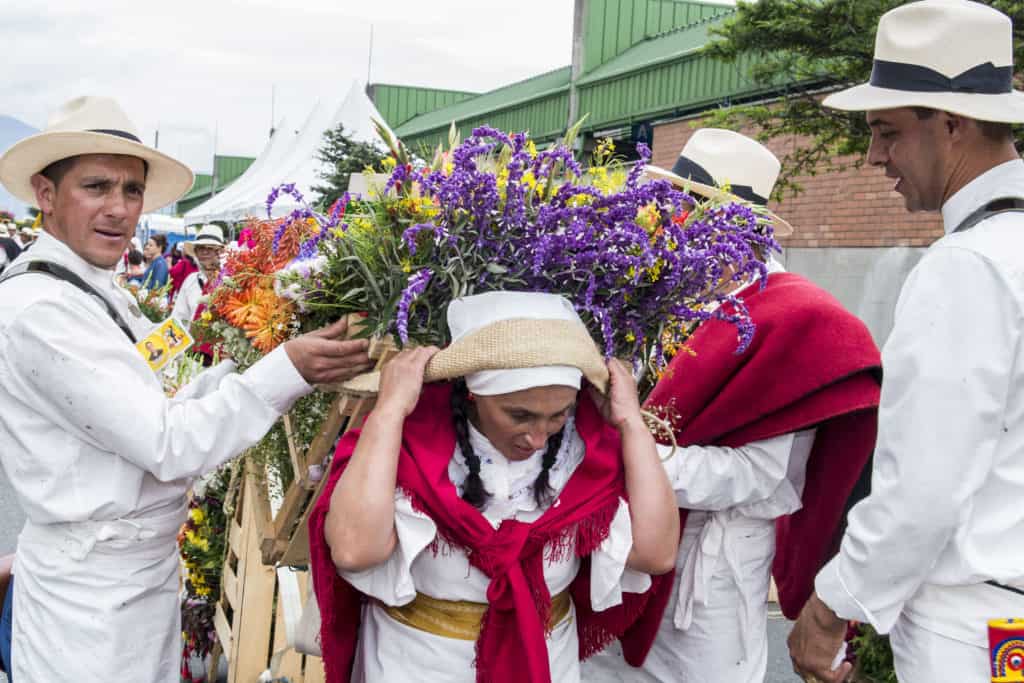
(164, 344)
(1006, 646)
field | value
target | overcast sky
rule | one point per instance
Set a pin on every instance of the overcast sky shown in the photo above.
(196, 68)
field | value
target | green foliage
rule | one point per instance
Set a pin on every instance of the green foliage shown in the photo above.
(343, 157)
(874, 657)
(803, 47)
(271, 454)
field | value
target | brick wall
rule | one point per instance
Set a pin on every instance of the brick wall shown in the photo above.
(852, 208)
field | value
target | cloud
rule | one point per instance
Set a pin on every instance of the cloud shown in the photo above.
(204, 69)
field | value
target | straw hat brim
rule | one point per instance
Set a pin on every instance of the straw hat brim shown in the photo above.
(1001, 108)
(781, 227)
(506, 345)
(190, 247)
(166, 181)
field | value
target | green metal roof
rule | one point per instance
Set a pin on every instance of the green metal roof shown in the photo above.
(201, 187)
(611, 27)
(666, 47)
(230, 167)
(399, 103)
(543, 86)
(665, 76)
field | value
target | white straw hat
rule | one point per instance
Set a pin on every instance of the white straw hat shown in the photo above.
(208, 235)
(949, 55)
(713, 159)
(508, 341)
(92, 125)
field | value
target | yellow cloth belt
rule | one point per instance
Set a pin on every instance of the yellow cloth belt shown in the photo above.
(458, 618)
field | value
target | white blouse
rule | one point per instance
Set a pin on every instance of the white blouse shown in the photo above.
(421, 562)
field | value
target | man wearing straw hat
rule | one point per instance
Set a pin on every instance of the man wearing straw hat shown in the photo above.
(773, 441)
(99, 458)
(935, 551)
(205, 250)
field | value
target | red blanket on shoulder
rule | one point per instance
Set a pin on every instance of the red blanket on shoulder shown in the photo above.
(512, 645)
(811, 364)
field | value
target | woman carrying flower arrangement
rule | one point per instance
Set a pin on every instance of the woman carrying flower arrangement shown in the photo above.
(485, 519)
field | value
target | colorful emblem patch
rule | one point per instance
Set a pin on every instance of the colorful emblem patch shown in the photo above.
(1006, 646)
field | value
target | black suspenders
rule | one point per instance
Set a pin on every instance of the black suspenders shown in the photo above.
(61, 273)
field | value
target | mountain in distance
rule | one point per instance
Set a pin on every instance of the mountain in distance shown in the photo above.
(12, 130)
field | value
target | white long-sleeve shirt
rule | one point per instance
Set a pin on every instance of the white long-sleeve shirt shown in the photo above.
(87, 430)
(945, 512)
(100, 460)
(189, 296)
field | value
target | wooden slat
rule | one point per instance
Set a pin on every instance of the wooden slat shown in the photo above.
(298, 458)
(253, 617)
(315, 670)
(295, 502)
(229, 588)
(223, 629)
(235, 538)
(298, 547)
(324, 440)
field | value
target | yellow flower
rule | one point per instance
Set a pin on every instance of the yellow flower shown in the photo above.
(388, 164)
(531, 148)
(206, 316)
(197, 515)
(530, 180)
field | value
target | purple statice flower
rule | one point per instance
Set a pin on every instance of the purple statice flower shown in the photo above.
(417, 284)
(412, 232)
(287, 188)
(337, 211)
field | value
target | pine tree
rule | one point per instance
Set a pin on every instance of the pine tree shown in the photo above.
(342, 157)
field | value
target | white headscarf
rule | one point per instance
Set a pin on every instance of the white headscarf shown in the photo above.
(470, 313)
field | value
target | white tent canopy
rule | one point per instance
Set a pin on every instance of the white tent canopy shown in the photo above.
(297, 164)
(276, 149)
(158, 222)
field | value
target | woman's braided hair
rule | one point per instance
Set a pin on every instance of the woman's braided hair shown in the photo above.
(473, 491)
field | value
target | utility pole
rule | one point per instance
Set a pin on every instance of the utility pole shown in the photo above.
(156, 138)
(272, 94)
(369, 58)
(213, 188)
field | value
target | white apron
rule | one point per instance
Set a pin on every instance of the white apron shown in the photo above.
(95, 597)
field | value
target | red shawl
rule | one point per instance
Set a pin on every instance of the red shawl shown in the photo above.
(811, 364)
(512, 644)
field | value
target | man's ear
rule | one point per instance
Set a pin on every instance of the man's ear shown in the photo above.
(954, 125)
(46, 193)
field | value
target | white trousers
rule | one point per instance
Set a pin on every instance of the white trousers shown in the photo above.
(710, 649)
(922, 656)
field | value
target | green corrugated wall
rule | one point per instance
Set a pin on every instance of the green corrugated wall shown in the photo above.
(543, 117)
(673, 87)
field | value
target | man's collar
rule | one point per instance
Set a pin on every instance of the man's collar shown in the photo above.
(1004, 180)
(49, 248)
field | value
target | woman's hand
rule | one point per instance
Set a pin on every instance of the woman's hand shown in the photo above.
(620, 407)
(401, 380)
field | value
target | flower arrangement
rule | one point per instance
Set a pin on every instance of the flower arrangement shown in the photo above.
(152, 302)
(202, 546)
(642, 261)
(245, 316)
